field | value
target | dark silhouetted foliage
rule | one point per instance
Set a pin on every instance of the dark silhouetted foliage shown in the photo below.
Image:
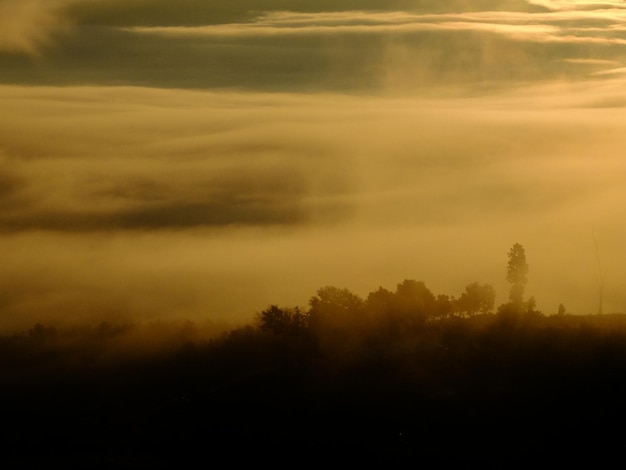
(477, 298)
(281, 320)
(402, 377)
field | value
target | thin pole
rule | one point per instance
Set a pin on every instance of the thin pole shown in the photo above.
(601, 273)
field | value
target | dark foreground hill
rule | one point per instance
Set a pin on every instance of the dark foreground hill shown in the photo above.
(479, 391)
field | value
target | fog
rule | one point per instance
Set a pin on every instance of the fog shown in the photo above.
(153, 167)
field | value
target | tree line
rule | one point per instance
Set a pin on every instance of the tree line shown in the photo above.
(398, 374)
(409, 306)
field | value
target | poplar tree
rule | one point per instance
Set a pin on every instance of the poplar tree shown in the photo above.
(517, 273)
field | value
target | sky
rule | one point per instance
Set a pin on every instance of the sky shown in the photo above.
(203, 159)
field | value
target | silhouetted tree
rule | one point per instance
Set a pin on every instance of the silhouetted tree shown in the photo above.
(379, 301)
(40, 332)
(444, 306)
(516, 274)
(477, 298)
(531, 307)
(335, 307)
(379, 307)
(279, 320)
(414, 302)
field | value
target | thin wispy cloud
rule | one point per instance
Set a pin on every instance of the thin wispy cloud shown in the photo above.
(325, 50)
(290, 22)
(569, 25)
(584, 5)
(267, 30)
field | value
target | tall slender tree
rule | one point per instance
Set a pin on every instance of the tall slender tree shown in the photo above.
(517, 273)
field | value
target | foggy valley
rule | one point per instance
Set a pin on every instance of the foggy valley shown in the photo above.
(286, 231)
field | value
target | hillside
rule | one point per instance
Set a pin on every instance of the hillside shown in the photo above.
(485, 389)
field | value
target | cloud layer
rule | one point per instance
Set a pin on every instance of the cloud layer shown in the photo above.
(288, 46)
(210, 159)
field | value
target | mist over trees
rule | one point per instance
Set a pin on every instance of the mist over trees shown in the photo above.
(407, 308)
(399, 376)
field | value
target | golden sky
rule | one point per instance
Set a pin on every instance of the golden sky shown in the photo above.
(204, 159)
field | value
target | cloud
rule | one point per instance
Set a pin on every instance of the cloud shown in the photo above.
(130, 158)
(135, 203)
(26, 26)
(375, 24)
(159, 166)
(584, 5)
(345, 51)
(201, 159)
(192, 12)
(232, 204)
(519, 25)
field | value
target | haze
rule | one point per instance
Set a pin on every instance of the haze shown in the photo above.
(198, 160)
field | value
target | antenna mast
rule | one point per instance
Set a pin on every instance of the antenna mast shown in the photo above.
(601, 274)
